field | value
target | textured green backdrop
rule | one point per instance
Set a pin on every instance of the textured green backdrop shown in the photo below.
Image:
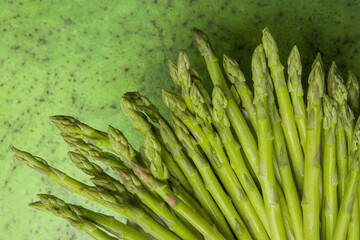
(79, 57)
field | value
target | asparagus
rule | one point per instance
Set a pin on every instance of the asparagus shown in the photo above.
(66, 210)
(122, 147)
(132, 104)
(73, 127)
(222, 124)
(60, 209)
(177, 205)
(352, 86)
(184, 77)
(295, 88)
(201, 106)
(236, 77)
(338, 92)
(237, 120)
(267, 174)
(330, 203)
(354, 223)
(288, 182)
(195, 180)
(285, 106)
(347, 203)
(311, 191)
(222, 199)
(94, 152)
(134, 185)
(97, 194)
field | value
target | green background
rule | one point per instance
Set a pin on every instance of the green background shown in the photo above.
(78, 58)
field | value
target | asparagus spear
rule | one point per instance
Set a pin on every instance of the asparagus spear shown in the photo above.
(216, 190)
(177, 205)
(134, 185)
(97, 194)
(338, 92)
(237, 78)
(347, 203)
(201, 106)
(330, 203)
(124, 149)
(354, 222)
(132, 104)
(288, 182)
(311, 191)
(191, 173)
(295, 88)
(352, 86)
(109, 223)
(73, 127)
(267, 174)
(237, 120)
(222, 124)
(285, 106)
(61, 209)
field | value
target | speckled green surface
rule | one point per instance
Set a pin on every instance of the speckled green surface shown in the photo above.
(78, 58)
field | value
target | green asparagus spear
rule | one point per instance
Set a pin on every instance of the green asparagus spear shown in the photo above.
(288, 182)
(285, 106)
(267, 174)
(200, 191)
(134, 185)
(216, 190)
(222, 124)
(338, 92)
(71, 126)
(347, 203)
(352, 86)
(97, 194)
(311, 192)
(177, 205)
(201, 106)
(122, 147)
(132, 104)
(106, 222)
(94, 152)
(330, 203)
(236, 117)
(354, 223)
(237, 78)
(295, 88)
(61, 209)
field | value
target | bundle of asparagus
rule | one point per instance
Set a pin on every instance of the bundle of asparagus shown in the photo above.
(233, 164)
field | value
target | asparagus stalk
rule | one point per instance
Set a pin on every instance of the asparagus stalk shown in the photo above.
(296, 91)
(195, 180)
(222, 124)
(311, 191)
(330, 203)
(61, 209)
(201, 106)
(73, 127)
(177, 205)
(236, 117)
(354, 223)
(347, 203)
(97, 194)
(132, 104)
(288, 182)
(134, 185)
(236, 77)
(285, 106)
(338, 92)
(124, 149)
(267, 174)
(352, 86)
(66, 210)
(216, 190)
